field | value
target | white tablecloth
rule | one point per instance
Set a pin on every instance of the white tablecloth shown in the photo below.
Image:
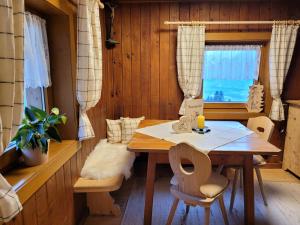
(222, 132)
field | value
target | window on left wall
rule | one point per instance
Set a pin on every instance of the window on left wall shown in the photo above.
(36, 61)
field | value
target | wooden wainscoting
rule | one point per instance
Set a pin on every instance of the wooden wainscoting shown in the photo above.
(46, 191)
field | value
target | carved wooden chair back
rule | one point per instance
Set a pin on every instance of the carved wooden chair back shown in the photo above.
(189, 182)
(261, 125)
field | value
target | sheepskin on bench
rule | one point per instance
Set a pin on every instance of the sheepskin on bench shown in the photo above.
(102, 173)
(108, 160)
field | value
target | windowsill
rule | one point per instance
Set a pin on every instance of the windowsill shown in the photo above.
(229, 114)
(27, 180)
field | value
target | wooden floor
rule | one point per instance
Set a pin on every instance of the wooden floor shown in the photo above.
(282, 190)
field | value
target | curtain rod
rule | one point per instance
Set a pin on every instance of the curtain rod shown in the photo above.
(290, 22)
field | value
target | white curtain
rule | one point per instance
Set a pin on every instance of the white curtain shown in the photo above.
(231, 62)
(190, 52)
(282, 45)
(11, 68)
(36, 64)
(89, 68)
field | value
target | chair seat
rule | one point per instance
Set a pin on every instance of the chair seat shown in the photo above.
(258, 160)
(215, 184)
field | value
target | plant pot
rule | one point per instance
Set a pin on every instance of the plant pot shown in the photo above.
(35, 157)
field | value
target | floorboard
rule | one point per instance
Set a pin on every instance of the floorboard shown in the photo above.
(282, 190)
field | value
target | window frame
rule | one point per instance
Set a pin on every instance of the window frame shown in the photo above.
(222, 110)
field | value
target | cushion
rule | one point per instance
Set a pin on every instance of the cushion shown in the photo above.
(113, 131)
(128, 127)
(215, 184)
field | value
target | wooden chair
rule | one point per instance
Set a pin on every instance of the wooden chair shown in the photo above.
(197, 187)
(264, 127)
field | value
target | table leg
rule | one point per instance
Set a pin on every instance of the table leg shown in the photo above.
(151, 169)
(248, 191)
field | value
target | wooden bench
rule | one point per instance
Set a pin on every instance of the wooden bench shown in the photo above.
(99, 200)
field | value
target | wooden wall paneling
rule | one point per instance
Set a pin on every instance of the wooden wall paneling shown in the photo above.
(214, 14)
(79, 199)
(53, 210)
(18, 220)
(204, 11)
(117, 65)
(126, 58)
(175, 94)
(154, 61)
(74, 173)
(110, 83)
(78, 158)
(42, 206)
(184, 11)
(135, 28)
(244, 15)
(291, 85)
(68, 194)
(225, 14)
(293, 10)
(29, 212)
(276, 8)
(164, 61)
(234, 11)
(265, 14)
(194, 11)
(61, 72)
(145, 61)
(254, 15)
(61, 196)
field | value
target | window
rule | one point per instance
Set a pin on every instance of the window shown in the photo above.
(34, 97)
(228, 71)
(37, 65)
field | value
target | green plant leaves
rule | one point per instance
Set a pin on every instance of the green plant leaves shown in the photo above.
(55, 111)
(29, 114)
(38, 127)
(63, 119)
(40, 114)
(53, 133)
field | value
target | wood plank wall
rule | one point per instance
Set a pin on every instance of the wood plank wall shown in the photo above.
(142, 69)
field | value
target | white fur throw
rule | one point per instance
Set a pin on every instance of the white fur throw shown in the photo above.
(108, 160)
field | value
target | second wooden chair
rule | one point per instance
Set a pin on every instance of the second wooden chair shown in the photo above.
(264, 127)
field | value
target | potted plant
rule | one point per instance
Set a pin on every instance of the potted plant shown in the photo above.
(34, 134)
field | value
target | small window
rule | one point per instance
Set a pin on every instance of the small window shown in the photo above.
(228, 71)
(37, 63)
(34, 97)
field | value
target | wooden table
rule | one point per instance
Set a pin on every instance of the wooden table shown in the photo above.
(237, 153)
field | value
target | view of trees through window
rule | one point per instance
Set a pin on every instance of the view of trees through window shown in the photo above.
(229, 71)
(226, 90)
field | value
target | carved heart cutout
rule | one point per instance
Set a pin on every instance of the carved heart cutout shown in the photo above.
(183, 125)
